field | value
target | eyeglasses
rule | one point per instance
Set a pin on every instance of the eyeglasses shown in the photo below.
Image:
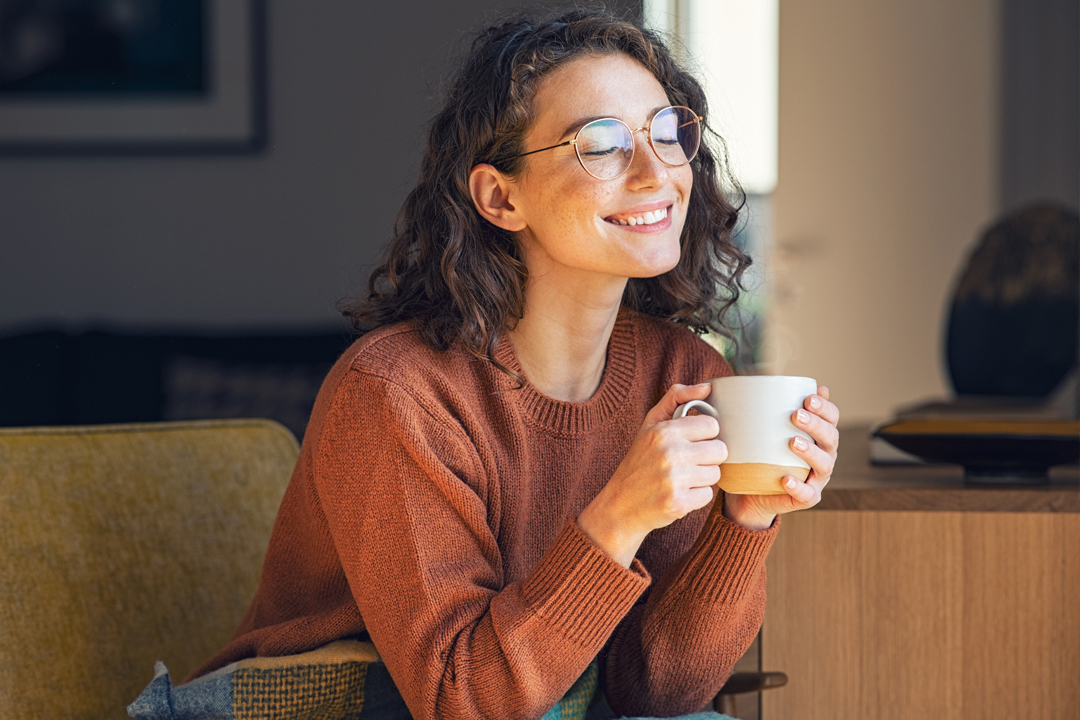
(605, 147)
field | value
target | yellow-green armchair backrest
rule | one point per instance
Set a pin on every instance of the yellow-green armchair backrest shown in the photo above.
(125, 544)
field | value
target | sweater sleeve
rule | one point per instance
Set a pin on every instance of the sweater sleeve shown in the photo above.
(674, 651)
(404, 495)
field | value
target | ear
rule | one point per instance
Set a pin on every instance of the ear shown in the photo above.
(491, 194)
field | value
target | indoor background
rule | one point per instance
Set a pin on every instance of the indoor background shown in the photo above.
(905, 129)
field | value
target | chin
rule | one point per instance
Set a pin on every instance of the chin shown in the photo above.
(654, 270)
(658, 265)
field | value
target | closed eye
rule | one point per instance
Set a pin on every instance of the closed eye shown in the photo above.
(604, 152)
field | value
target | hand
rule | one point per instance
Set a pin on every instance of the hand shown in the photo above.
(818, 419)
(669, 471)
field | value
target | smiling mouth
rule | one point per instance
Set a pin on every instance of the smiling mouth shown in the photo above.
(647, 218)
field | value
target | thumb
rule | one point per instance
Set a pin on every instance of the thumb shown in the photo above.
(675, 396)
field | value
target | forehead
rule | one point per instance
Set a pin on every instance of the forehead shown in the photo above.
(596, 86)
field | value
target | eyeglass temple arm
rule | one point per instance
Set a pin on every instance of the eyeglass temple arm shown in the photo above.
(533, 152)
(697, 119)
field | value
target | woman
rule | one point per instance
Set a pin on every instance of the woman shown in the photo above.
(491, 486)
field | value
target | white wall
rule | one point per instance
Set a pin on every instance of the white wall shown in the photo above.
(888, 169)
(263, 240)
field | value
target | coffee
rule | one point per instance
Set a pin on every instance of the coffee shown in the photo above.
(754, 413)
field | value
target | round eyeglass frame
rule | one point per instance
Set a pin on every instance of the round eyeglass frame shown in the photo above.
(633, 147)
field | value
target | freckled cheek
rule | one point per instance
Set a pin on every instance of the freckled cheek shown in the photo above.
(575, 206)
(565, 188)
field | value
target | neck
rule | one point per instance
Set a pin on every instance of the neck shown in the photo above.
(561, 342)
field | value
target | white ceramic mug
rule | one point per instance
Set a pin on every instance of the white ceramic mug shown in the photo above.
(754, 412)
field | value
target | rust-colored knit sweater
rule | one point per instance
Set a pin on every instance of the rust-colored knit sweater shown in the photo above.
(433, 506)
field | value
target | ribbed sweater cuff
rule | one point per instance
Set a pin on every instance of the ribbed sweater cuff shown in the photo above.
(730, 553)
(581, 590)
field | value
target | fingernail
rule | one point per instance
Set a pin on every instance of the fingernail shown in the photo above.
(801, 443)
(815, 402)
(802, 417)
(790, 482)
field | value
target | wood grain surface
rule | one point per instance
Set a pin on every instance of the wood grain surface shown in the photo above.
(924, 614)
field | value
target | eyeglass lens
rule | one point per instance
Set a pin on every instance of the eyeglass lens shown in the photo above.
(606, 147)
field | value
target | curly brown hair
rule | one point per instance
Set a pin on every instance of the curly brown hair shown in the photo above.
(462, 277)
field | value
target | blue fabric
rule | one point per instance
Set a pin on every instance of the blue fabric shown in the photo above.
(155, 702)
(204, 699)
(601, 710)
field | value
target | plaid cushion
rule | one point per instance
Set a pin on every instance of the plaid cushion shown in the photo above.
(329, 691)
(344, 680)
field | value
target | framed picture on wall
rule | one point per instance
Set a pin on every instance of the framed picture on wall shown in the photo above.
(132, 76)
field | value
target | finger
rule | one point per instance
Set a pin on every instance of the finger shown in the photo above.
(819, 461)
(703, 476)
(699, 497)
(803, 495)
(823, 391)
(694, 428)
(820, 406)
(818, 482)
(708, 452)
(690, 429)
(673, 398)
(824, 433)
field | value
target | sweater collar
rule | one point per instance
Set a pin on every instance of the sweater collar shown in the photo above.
(575, 418)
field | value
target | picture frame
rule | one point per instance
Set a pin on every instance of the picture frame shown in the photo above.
(224, 113)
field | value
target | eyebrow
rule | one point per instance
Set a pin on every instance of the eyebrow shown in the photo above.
(582, 122)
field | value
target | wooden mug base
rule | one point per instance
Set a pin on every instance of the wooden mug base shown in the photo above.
(757, 478)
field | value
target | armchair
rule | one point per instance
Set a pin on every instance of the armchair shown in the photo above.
(125, 544)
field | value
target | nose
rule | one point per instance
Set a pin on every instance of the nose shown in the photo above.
(646, 169)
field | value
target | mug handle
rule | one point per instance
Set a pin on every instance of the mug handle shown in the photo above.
(699, 405)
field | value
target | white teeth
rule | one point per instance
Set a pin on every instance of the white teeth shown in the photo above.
(649, 218)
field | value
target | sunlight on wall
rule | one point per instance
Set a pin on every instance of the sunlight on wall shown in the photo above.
(733, 47)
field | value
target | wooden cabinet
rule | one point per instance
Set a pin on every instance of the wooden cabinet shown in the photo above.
(906, 594)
